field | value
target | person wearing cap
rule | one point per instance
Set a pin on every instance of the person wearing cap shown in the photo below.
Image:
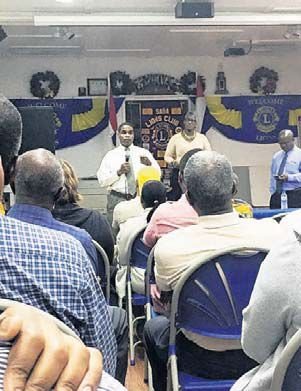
(153, 194)
(132, 208)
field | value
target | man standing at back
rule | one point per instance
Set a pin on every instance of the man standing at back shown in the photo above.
(180, 143)
(118, 169)
(286, 172)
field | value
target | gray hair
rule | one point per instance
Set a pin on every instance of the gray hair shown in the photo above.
(209, 180)
(38, 178)
(286, 133)
(10, 134)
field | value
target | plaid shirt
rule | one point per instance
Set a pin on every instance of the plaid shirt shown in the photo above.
(50, 270)
(43, 217)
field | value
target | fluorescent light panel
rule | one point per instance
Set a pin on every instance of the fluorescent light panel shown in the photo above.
(206, 31)
(220, 19)
(118, 50)
(43, 47)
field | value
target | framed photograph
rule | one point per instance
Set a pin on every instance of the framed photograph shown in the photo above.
(97, 87)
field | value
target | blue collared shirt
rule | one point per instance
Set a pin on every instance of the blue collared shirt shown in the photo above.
(292, 169)
(36, 215)
(50, 270)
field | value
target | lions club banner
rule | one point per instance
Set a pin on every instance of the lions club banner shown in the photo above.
(76, 120)
(253, 119)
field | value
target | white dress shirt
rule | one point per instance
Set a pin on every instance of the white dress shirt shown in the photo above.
(107, 172)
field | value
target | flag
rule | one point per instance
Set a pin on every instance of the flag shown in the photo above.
(200, 103)
(112, 112)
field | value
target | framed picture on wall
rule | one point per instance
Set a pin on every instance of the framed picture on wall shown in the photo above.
(97, 87)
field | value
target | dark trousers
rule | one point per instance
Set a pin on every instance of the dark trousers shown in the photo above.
(176, 191)
(120, 325)
(192, 359)
(293, 199)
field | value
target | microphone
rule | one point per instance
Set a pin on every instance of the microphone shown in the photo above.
(127, 155)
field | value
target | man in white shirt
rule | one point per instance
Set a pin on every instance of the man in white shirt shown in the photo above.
(119, 167)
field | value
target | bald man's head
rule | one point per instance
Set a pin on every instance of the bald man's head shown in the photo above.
(39, 178)
(286, 140)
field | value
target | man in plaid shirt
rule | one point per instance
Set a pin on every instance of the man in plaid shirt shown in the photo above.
(51, 271)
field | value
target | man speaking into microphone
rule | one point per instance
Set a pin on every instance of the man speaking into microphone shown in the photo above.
(119, 168)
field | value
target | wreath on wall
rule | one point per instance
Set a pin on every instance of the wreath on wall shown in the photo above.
(121, 83)
(264, 81)
(44, 85)
(188, 83)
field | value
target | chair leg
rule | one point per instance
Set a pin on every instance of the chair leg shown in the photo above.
(130, 320)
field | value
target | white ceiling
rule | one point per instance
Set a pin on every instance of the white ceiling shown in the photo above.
(147, 28)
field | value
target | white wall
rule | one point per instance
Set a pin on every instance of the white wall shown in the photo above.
(16, 72)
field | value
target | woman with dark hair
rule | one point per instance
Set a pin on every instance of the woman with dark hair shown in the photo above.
(68, 210)
(152, 195)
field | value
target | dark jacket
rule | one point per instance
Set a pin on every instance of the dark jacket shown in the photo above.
(91, 220)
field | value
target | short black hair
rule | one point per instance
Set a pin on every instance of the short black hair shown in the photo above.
(125, 124)
(10, 135)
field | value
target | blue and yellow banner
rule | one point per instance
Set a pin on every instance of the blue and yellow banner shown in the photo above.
(76, 120)
(253, 119)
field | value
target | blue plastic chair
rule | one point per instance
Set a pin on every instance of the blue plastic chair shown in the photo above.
(104, 268)
(208, 300)
(138, 258)
(288, 369)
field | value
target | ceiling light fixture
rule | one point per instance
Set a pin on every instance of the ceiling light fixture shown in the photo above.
(44, 47)
(64, 1)
(206, 30)
(118, 50)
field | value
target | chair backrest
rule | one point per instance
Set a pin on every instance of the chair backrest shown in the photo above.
(211, 294)
(287, 374)
(104, 269)
(139, 251)
(279, 216)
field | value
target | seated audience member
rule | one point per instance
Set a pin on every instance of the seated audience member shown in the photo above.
(209, 180)
(42, 355)
(46, 194)
(132, 208)
(38, 181)
(70, 212)
(152, 195)
(273, 314)
(172, 215)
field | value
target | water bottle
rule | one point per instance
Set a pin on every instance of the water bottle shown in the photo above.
(283, 200)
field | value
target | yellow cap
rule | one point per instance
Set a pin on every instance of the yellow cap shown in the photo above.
(146, 174)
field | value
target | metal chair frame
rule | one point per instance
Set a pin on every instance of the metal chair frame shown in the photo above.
(106, 263)
(131, 298)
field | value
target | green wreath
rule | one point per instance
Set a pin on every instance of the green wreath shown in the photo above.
(121, 83)
(264, 81)
(188, 83)
(44, 85)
